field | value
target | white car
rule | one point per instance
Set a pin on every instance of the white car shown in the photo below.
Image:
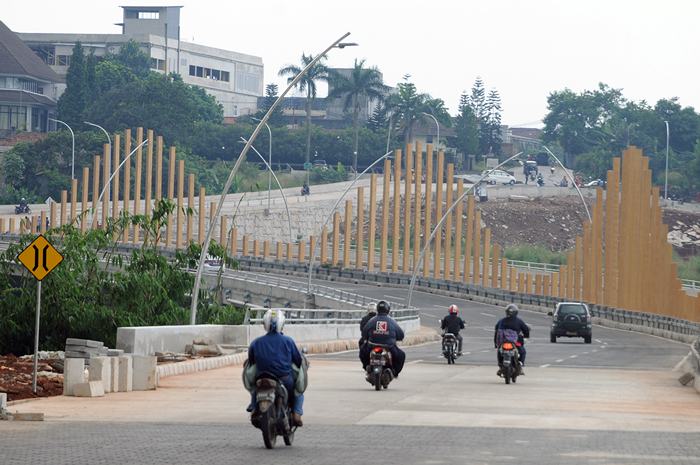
(595, 183)
(498, 177)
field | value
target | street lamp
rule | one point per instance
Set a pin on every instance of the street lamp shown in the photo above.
(666, 182)
(269, 163)
(438, 129)
(109, 139)
(72, 172)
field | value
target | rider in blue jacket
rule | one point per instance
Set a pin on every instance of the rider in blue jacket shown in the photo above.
(511, 321)
(383, 330)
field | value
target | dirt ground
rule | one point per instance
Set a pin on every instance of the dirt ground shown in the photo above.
(16, 377)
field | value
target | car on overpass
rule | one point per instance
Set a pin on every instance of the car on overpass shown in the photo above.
(498, 177)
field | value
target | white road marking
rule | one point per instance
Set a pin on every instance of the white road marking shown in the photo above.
(560, 360)
(488, 314)
(394, 297)
(545, 366)
(429, 315)
(485, 351)
(415, 361)
(573, 356)
(594, 350)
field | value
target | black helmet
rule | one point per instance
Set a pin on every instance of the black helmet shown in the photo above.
(383, 307)
(511, 310)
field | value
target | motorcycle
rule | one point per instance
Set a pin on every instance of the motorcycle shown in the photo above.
(510, 369)
(540, 182)
(552, 169)
(533, 175)
(305, 191)
(449, 347)
(379, 372)
(272, 401)
(22, 209)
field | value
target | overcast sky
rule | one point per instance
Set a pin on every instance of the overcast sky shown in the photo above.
(523, 49)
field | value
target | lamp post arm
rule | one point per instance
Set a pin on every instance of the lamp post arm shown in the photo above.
(286, 205)
(573, 183)
(323, 228)
(72, 172)
(109, 139)
(438, 129)
(94, 216)
(241, 157)
(439, 225)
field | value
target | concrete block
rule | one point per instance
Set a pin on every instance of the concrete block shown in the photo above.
(84, 342)
(101, 370)
(114, 352)
(144, 377)
(73, 373)
(27, 416)
(3, 401)
(114, 373)
(89, 389)
(126, 373)
(686, 378)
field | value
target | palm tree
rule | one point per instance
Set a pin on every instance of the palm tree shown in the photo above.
(318, 72)
(408, 106)
(361, 82)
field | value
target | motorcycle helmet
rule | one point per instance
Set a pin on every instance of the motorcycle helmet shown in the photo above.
(511, 310)
(372, 307)
(454, 309)
(273, 320)
(383, 307)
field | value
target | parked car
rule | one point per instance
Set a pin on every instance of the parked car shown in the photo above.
(595, 183)
(571, 319)
(321, 164)
(498, 177)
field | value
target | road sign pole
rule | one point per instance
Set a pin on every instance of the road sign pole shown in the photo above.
(36, 334)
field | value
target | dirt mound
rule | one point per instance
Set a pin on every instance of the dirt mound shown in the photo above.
(16, 377)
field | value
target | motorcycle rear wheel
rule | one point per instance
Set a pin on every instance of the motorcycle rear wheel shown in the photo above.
(378, 381)
(506, 375)
(289, 438)
(269, 428)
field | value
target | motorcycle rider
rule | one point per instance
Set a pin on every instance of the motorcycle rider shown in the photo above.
(305, 189)
(275, 353)
(540, 180)
(384, 331)
(511, 321)
(452, 324)
(371, 313)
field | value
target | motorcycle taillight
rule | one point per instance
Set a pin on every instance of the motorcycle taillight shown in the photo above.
(377, 349)
(266, 383)
(508, 346)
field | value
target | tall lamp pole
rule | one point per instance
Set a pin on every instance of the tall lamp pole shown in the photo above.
(72, 172)
(666, 182)
(438, 129)
(269, 164)
(109, 139)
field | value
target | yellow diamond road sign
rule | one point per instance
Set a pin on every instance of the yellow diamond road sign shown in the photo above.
(40, 257)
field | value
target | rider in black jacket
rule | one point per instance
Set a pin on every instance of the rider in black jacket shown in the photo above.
(452, 324)
(371, 313)
(511, 321)
(383, 330)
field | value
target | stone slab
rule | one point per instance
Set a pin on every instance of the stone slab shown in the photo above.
(144, 377)
(89, 389)
(27, 416)
(73, 373)
(114, 352)
(126, 373)
(114, 374)
(3, 401)
(101, 370)
(84, 342)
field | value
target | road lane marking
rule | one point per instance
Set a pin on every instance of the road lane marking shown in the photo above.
(573, 356)
(488, 314)
(415, 361)
(429, 315)
(485, 351)
(394, 297)
(560, 360)
(545, 366)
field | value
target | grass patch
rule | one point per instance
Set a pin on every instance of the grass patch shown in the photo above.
(536, 253)
(688, 268)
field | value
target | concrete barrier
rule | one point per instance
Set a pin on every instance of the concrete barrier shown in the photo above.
(126, 373)
(101, 370)
(145, 376)
(73, 373)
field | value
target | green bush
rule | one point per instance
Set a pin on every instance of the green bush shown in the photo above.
(536, 253)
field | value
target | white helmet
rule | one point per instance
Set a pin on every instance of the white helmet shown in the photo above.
(372, 307)
(273, 320)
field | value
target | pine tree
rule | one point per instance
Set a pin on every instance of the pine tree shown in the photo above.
(75, 99)
(493, 124)
(277, 117)
(466, 129)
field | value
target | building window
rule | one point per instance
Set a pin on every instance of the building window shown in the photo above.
(12, 117)
(149, 15)
(215, 74)
(207, 73)
(157, 64)
(247, 82)
(63, 60)
(193, 70)
(225, 76)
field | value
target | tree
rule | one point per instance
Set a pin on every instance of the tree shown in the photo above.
(362, 81)
(378, 120)
(407, 106)
(492, 126)
(276, 119)
(72, 103)
(466, 129)
(317, 73)
(110, 75)
(131, 56)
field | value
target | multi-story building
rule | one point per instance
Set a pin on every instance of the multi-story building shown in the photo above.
(235, 79)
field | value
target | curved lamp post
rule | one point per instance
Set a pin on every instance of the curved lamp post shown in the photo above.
(439, 225)
(323, 228)
(269, 166)
(666, 181)
(438, 129)
(94, 215)
(289, 217)
(241, 157)
(109, 140)
(72, 171)
(573, 183)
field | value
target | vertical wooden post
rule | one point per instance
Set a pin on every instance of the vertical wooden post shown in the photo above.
(555, 285)
(234, 241)
(477, 246)
(12, 221)
(149, 176)
(599, 248)
(312, 246)
(468, 244)
(159, 179)
(372, 222)
(222, 233)
(359, 242)
(623, 239)
(180, 202)
(256, 248)
(106, 173)
(42, 222)
(428, 205)
(116, 146)
(301, 251)
(64, 205)
(266, 249)
(190, 205)
(578, 267)
(202, 214)
(280, 251)
(336, 239)
(348, 237)
(324, 246)
(2, 225)
(246, 246)
(562, 281)
(383, 248)
(212, 223)
(127, 179)
(405, 267)
(504, 273)
(521, 283)
(494, 268)
(417, 204)
(397, 207)
(612, 202)
(570, 285)
(487, 252)
(645, 271)
(86, 184)
(458, 231)
(52, 218)
(73, 201)
(446, 269)
(171, 195)
(290, 251)
(137, 182)
(587, 260)
(528, 284)
(539, 285)
(438, 213)
(95, 185)
(513, 279)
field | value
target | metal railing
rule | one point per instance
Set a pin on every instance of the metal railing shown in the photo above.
(326, 316)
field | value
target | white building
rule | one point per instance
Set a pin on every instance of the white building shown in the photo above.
(235, 79)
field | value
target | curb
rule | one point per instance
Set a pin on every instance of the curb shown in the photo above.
(312, 347)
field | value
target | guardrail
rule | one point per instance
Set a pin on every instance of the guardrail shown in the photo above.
(325, 316)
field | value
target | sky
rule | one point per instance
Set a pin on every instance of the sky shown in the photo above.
(525, 50)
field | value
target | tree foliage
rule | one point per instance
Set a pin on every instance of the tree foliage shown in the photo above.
(407, 106)
(466, 128)
(72, 103)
